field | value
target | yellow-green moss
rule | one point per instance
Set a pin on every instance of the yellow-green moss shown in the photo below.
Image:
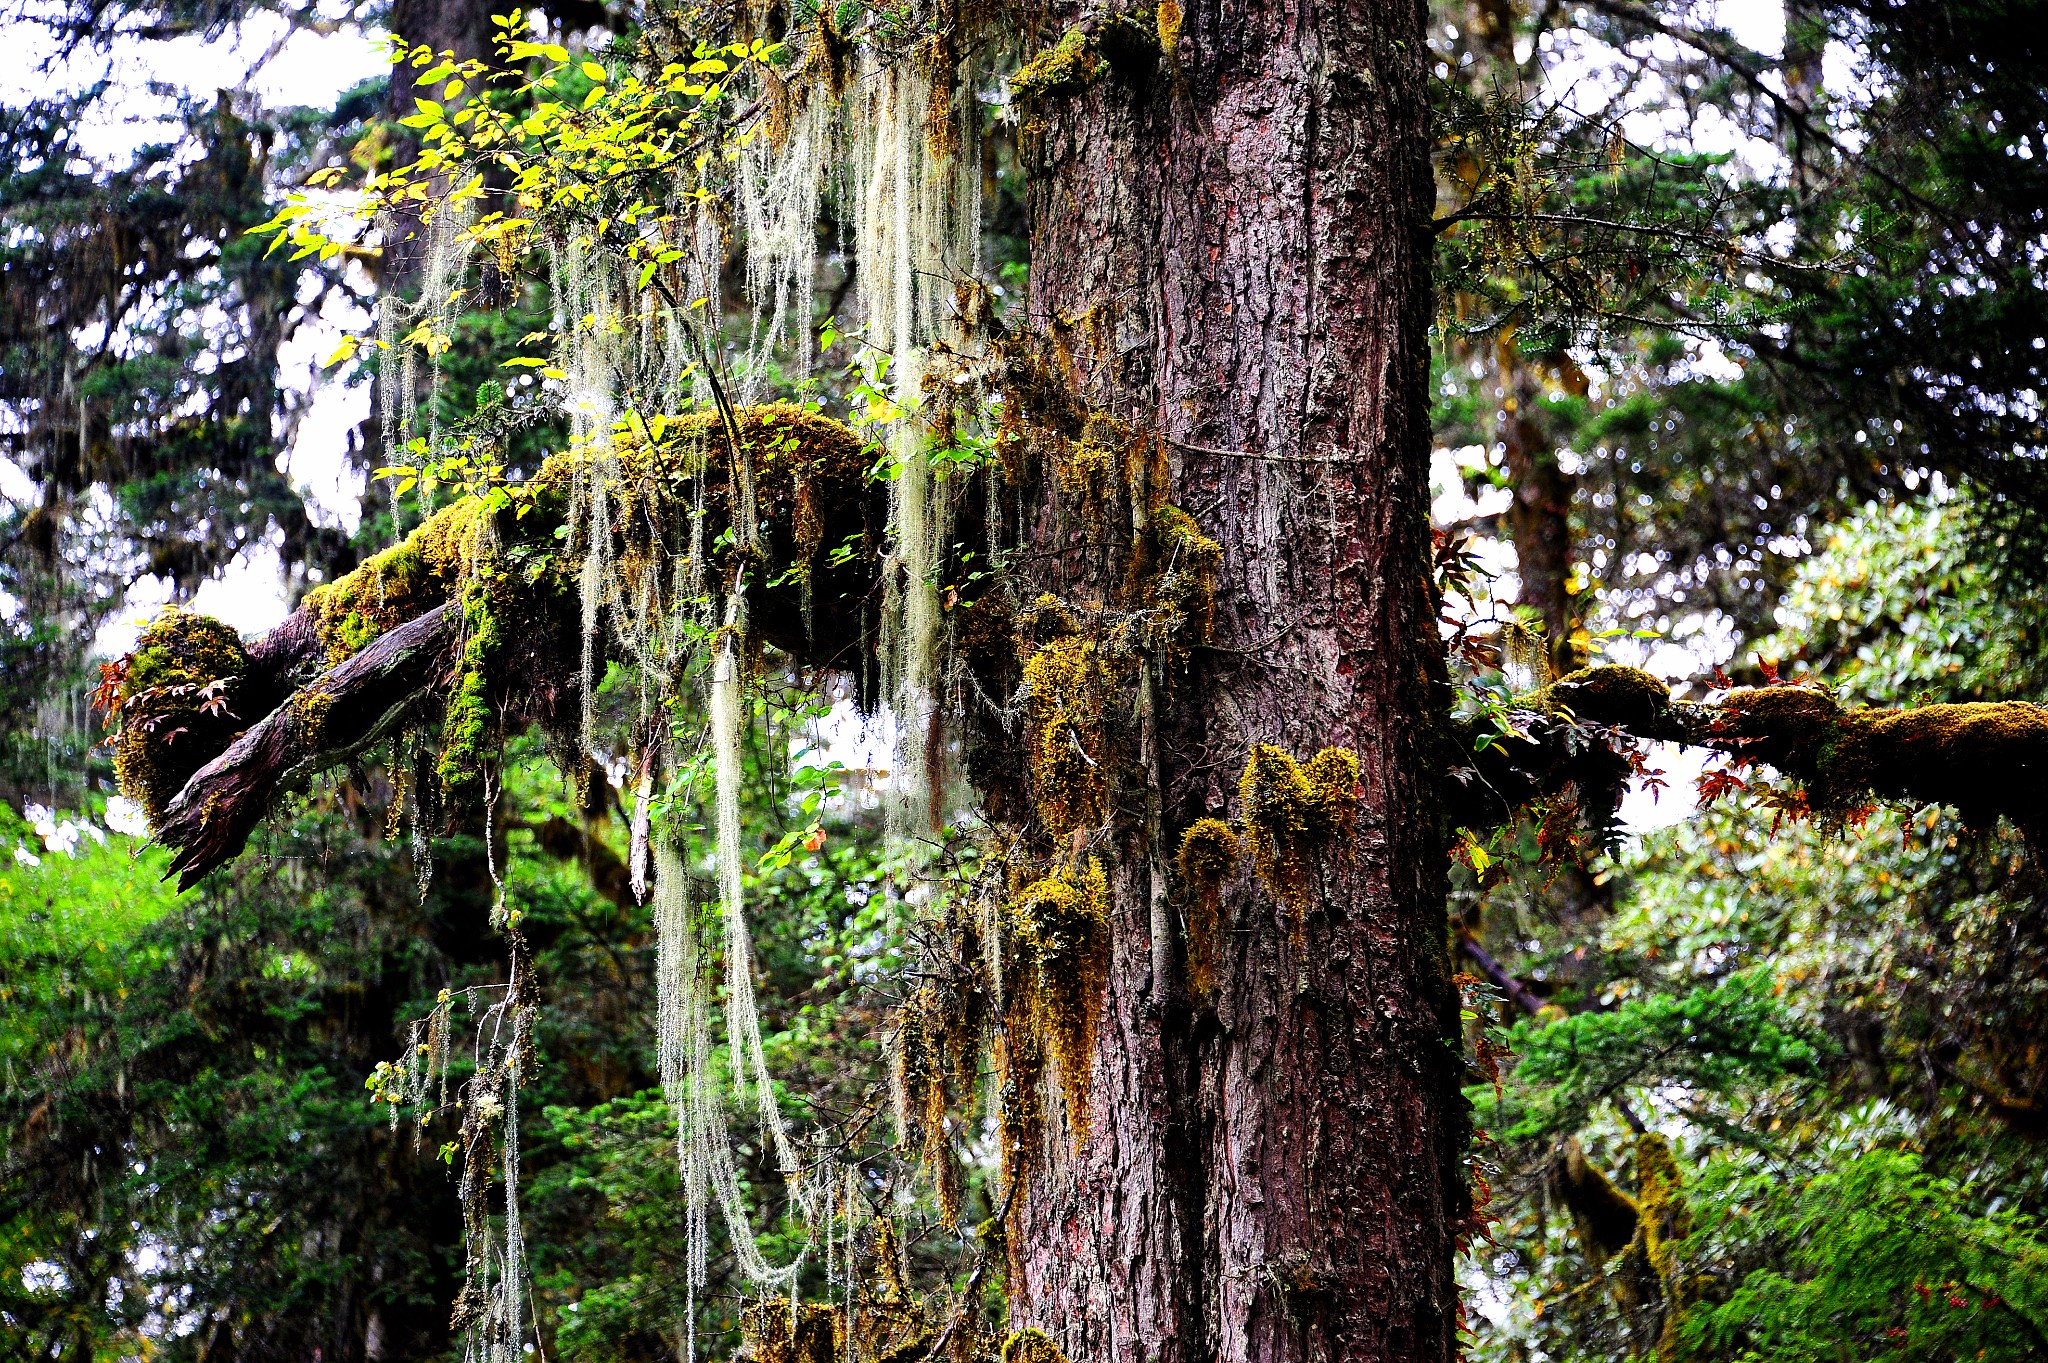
(1209, 854)
(1168, 22)
(1188, 562)
(1031, 1345)
(403, 582)
(770, 1332)
(309, 709)
(1061, 927)
(1069, 66)
(169, 724)
(1291, 813)
(1064, 734)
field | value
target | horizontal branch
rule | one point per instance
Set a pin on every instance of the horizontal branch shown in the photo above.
(1986, 759)
(342, 711)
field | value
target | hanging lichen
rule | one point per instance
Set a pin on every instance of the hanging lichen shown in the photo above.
(1291, 814)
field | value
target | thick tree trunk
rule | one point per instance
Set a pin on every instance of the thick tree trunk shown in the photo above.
(1233, 249)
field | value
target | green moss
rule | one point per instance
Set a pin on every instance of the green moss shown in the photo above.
(175, 705)
(1209, 855)
(1291, 813)
(467, 726)
(1031, 1345)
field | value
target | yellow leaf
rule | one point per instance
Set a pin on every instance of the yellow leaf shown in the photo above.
(595, 72)
(343, 353)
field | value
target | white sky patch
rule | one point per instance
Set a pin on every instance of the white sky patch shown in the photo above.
(246, 594)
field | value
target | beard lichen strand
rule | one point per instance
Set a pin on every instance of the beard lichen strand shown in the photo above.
(778, 188)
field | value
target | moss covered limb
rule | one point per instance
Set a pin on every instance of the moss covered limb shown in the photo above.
(1987, 759)
(343, 711)
(795, 516)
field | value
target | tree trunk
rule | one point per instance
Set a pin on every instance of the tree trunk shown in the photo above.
(1233, 250)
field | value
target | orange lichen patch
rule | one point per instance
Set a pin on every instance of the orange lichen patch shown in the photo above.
(1290, 813)
(175, 705)
(1209, 854)
(1061, 928)
(771, 1332)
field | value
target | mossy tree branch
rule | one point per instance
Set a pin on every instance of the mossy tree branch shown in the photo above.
(476, 617)
(1986, 759)
(345, 709)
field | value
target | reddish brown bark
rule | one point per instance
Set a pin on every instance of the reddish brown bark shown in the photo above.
(1233, 249)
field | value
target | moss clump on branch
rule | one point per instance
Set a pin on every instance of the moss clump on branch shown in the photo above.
(1290, 813)
(771, 1332)
(402, 583)
(1627, 697)
(175, 705)
(1209, 854)
(1061, 928)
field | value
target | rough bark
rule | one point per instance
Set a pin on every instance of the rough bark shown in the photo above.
(1232, 248)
